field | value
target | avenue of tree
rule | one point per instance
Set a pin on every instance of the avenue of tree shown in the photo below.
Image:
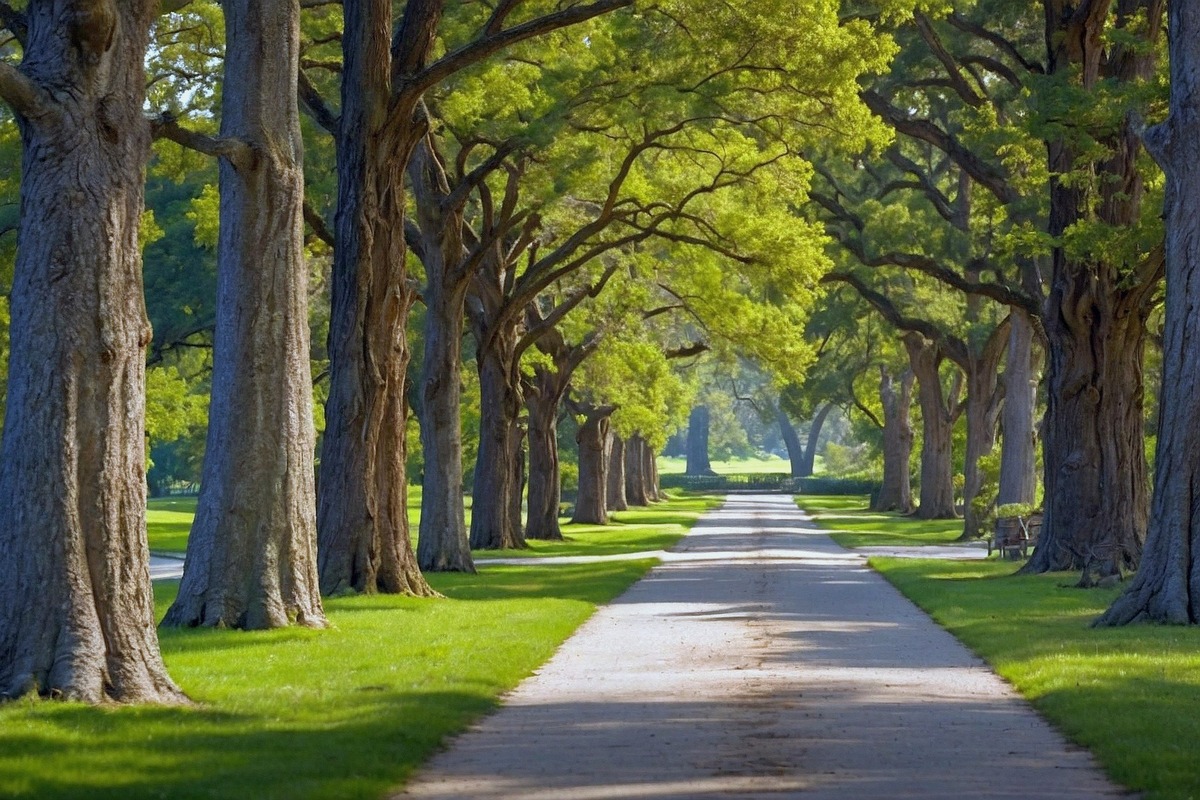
(392, 244)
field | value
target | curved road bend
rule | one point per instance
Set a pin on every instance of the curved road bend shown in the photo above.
(762, 660)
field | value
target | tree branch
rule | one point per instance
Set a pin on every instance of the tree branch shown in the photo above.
(25, 95)
(315, 105)
(317, 223)
(237, 152)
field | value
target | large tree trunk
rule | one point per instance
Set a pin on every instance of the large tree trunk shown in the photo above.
(636, 481)
(545, 490)
(1167, 585)
(791, 440)
(895, 494)
(1018, 452)
(1095, 467)
(76, 605)
(496, 504)
(814, 436)
(697, 443)
(937, 425)
(650, 472)
(616, 473)
(251, 556)
(984, 400)
(362, 521)
(590, 506)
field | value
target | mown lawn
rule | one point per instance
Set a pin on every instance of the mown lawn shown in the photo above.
(347, 712)
(1129, 695)
(850, 524)
(734, 466)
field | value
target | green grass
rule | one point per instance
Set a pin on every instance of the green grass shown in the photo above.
(668, 465)
(637, 530)
(347, 712)
(851, 524)
(168, 522)
(1129, 695)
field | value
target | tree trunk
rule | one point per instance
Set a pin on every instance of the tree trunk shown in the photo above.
(1018, 451)
(616, 473)
(984, 400)
(545, 490)
(791, 440)
(650, 472)
(635, 477)
(896, 492)
(76, 605)
(251, 556)
(1167, 585)
(1095, 467)
(590, 506)
(496, 493)
(697, 443)
(362, 520)
(814, 436)
(517, 440)
(937, 425)
(442, 545)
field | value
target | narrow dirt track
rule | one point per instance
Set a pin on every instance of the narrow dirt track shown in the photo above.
(762, 661)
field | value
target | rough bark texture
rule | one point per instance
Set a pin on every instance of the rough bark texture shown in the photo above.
(814, 436)
(591, 506)
(616, 473)
(791, 440)
(545, 489)
(251, 556)
(496, 503)
(697, 443)
(937, 423)
(76, 606)
(1018, 454)
(895, 494)
(650, 473)
(1095, 321)
(635, 478)
(362, 519)
(984, 400)
(1167, 585)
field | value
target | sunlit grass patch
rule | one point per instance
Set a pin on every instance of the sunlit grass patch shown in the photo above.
(851, 524)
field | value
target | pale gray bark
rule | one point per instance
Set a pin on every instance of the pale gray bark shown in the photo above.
(1018, 445)
(985, 397)
(251, 560)
(636, 480)
(814, 437)
(697, 443)
(791, 440)
(650, 473)
(895, 493)
(590, 505)
(615, 456)
(76, 605)
(937, 423)
(1167, 585)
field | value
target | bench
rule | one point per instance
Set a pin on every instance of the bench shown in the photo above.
(1015, 535)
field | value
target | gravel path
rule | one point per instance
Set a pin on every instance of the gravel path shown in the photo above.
(761, 661)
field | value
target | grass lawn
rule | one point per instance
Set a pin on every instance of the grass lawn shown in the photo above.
(672, 465)
(1129, 695)
(347, 712)
(850, 524)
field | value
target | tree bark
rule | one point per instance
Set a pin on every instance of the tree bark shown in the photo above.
(650, 472)
(791, 440)
(1018, 454)
(636, 481)
(697, 443)
(251, 556)
(76, 604)
(814, 436)
(497, 492)
(895, 494)
(616, 473)
(590, 506)
(362, 519)
(1095, 467)
(937, 425)
(984, 401)
(1167, 585)
(545, 489)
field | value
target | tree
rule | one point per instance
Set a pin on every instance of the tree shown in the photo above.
(251, 559)
(76, 606)
(1167, 585)
(697, 442)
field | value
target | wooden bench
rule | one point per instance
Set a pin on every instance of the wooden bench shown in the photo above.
(1014, 536)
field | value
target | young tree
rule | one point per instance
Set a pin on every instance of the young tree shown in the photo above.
(76, 607)
(1167, 585)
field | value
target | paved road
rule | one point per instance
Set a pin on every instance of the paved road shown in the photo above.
(763, 661)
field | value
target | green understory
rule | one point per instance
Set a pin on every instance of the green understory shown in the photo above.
(347, 712)
(1128, 695)
(851, 524)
